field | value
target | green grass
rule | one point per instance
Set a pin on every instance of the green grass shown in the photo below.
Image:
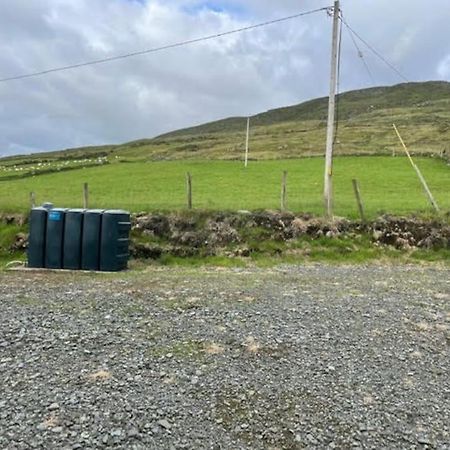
(387, 185)
(336, 251)
(7, 238)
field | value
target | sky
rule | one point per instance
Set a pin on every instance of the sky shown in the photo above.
(238, 75)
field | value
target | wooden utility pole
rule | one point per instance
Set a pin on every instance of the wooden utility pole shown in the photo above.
(419, 173)
(328, 182)
(246, 142)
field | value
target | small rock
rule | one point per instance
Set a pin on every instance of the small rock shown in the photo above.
(165, 424)
(133, 432)
(424, 440)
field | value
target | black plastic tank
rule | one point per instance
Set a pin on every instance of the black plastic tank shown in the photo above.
(36, 241)
(114, 249)
(73, 232)
(90, 242)
(54, 238)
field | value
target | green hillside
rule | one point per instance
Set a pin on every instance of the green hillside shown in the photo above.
(421, 111)
(351, 106)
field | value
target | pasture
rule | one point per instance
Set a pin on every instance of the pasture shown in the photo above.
(388, 184)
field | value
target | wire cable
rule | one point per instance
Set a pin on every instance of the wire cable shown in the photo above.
(158, 49)
(361, 55)
(373, 50)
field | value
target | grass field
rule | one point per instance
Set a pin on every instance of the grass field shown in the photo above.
(387, 184)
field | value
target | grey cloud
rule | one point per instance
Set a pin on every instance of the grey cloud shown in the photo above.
(237, 75)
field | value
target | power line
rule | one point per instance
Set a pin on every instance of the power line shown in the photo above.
(360, 54)
(378, 54)
(158, 49)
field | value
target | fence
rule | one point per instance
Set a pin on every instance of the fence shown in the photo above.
(385, 184)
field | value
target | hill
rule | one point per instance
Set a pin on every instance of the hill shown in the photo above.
(421, 110)
(351, 106)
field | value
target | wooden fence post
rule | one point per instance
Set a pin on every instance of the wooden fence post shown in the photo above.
(283, 190)
(32, 199)
(189, 190)
(358, 200)
(85, 196)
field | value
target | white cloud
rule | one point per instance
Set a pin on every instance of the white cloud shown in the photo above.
(235, 75)
(443, 69)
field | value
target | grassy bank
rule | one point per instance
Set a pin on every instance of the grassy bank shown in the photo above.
(353, 252)
(257, 246)
(268, 238)
(8, 234)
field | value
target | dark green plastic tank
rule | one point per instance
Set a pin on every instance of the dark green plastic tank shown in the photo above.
(90, 245)
(54, 238)
(73, 229)
(115, 240)
(36, 241)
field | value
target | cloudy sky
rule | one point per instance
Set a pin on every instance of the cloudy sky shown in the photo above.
(241, 74)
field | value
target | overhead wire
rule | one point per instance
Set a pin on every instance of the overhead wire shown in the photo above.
(375, 52)
(360, 54)
(159, 49)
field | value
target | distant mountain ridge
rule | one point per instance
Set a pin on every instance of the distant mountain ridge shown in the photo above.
(350, 103)
(420, 109)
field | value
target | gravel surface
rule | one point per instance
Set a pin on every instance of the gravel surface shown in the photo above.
(285, 358)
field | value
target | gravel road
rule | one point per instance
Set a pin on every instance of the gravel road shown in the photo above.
(284, 358)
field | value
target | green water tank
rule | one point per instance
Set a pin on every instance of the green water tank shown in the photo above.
(90, 241)
(73, 233)
(36, 240)
(114, 244)
(54, 238)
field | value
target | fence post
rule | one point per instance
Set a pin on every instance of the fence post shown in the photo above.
(358, 199)
(85, 196)
(419, 173)
(283, 190)
(189, 190)
(32, 199)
